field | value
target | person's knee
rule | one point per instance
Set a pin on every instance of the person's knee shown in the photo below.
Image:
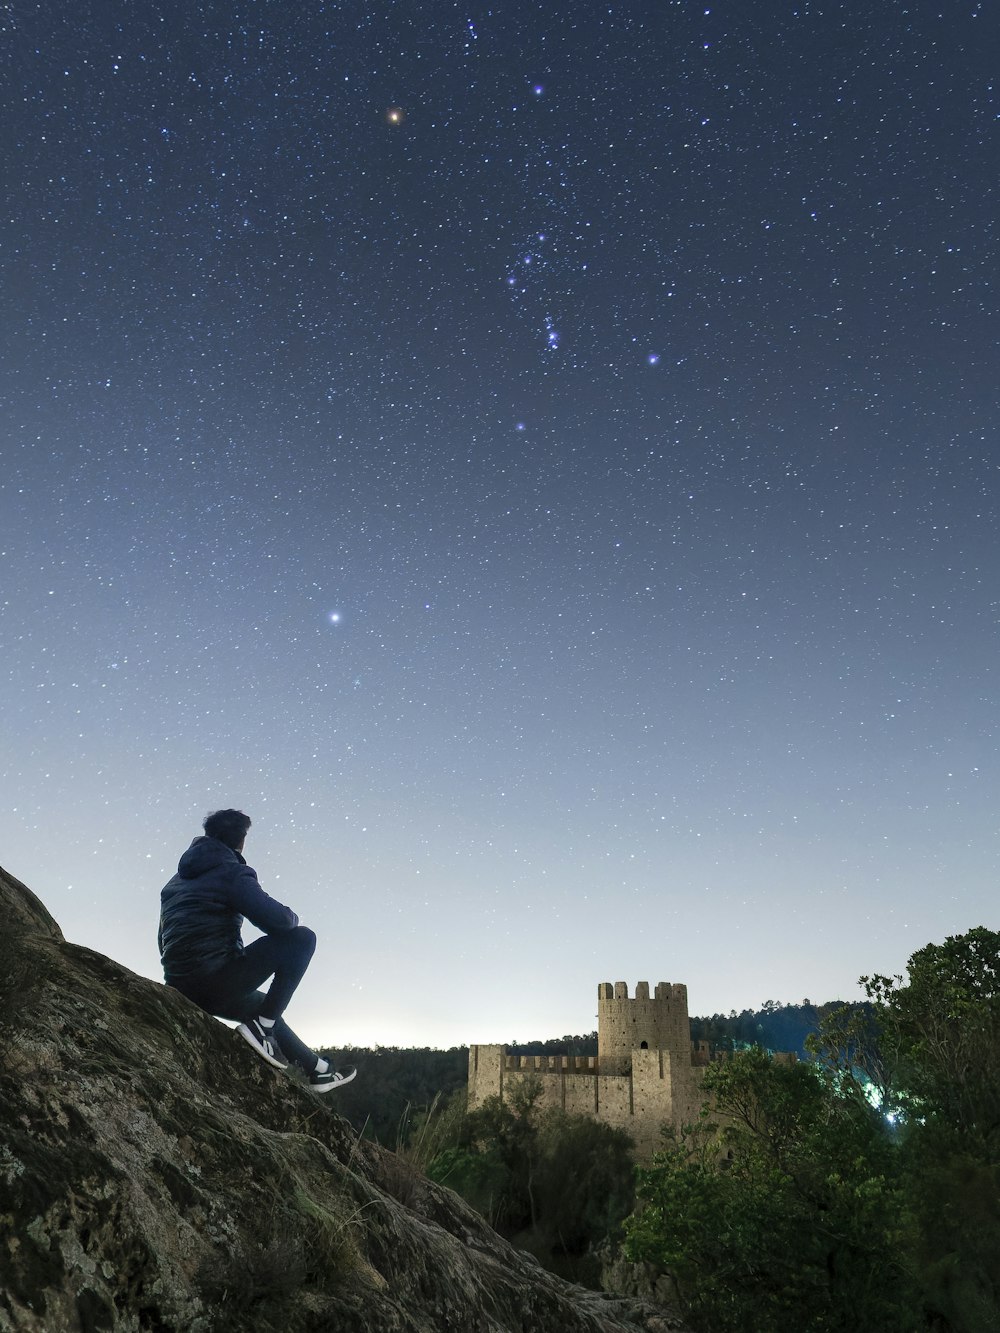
(305, 940)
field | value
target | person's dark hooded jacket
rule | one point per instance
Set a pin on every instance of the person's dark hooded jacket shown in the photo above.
(203, 906)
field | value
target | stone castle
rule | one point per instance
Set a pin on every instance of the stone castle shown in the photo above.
(647, 1072)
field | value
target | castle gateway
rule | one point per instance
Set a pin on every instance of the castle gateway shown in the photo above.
(647, 1072)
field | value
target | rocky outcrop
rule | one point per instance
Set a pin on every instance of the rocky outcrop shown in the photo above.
(644, 1280)
(154, 1174)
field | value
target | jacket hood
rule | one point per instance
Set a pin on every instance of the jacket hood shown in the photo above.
(205, 854)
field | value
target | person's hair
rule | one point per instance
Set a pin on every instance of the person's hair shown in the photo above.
(229, 826)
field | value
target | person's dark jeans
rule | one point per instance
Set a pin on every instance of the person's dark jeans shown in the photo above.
(230, 991)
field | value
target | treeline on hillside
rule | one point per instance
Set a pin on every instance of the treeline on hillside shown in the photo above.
(775, 1027)
(585, 1044)
(394, 1083)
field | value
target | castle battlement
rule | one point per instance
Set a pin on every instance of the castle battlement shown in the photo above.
(663, 991)
(552, 1064)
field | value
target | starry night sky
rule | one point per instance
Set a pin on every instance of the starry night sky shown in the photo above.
(541, 462)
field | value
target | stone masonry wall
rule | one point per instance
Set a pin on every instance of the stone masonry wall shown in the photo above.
(632, 1086)
(657, 1022)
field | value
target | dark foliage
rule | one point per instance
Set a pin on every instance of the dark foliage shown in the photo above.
(786, 1219)
(393, 1084)
(556, 1184)
(857, 1192)
(775, 1027)
(578, 1045)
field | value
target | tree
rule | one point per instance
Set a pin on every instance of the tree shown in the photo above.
(947, 1024)
(891, 1161)
(780, 1209)
(584, 1181)
(944, 1026)
(557, 1184)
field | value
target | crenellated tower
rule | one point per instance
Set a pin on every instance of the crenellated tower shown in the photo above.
(658, 1023)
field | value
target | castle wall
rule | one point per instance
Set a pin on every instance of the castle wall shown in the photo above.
(486, 1069)
(580, 1094)
(667, 1092)
(614, 1100)
(687, 1093)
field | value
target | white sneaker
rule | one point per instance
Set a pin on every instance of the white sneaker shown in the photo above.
(262, 1040)
(331, 1079)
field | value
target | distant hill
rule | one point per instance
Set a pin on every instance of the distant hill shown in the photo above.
(396, 1083)
(582, 1044)
(775, 1027)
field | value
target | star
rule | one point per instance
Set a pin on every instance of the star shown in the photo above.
(395, 115)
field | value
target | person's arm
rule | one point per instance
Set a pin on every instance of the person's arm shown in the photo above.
(261, 910)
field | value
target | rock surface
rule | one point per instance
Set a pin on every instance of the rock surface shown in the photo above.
(155, 1174)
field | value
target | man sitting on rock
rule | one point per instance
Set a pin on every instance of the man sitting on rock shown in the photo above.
(203, 956)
